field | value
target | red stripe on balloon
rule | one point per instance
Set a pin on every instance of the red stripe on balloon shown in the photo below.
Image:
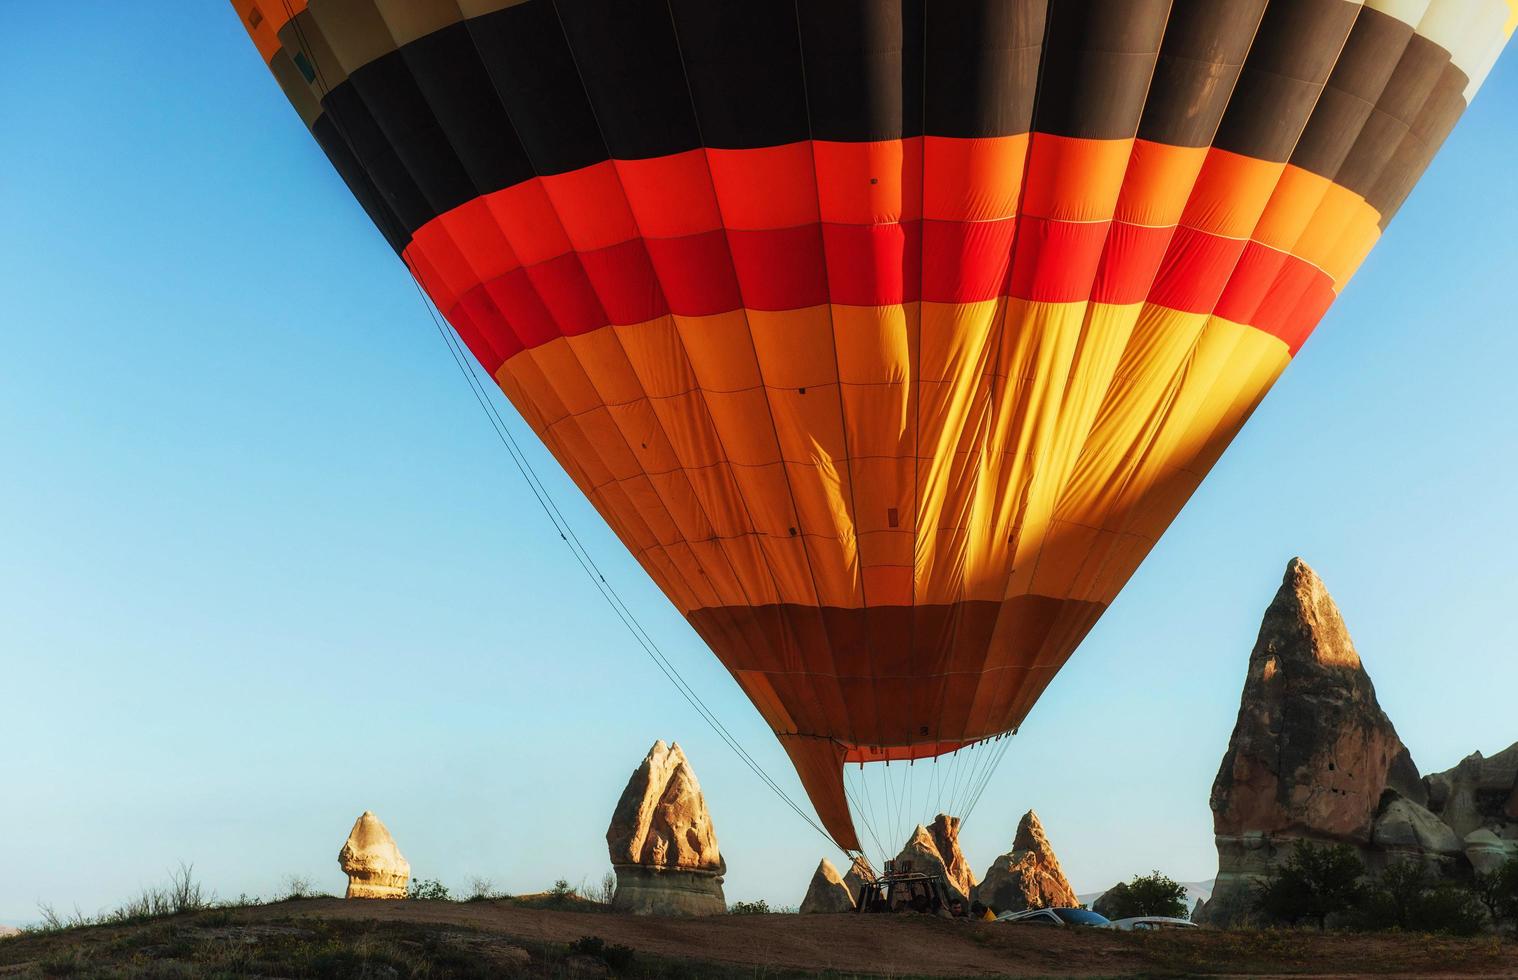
(883, 265)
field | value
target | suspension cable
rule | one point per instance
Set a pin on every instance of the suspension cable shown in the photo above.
(467, 367)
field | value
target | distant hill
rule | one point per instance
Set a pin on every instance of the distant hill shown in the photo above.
(1194, 891)
(9, 931)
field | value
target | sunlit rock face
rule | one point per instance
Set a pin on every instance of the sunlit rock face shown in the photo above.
(945, 832)
(827, 892)
(1313, 757)
(1028, 876)
(1312, 750)
(662, 844)
(920, 854)
(1311, 753)
(861, 873)
(372, 862)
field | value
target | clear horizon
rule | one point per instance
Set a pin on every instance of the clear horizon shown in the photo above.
(267, 566)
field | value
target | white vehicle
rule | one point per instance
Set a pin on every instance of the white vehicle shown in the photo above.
(1146, 923)
(1057, 917)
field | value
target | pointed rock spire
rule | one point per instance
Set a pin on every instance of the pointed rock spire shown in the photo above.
(1311, 754)
(921, 853)
(662, 843)
(372, 862)
(945, 832)
(1321, 770)
(827, 891)
(1028, 876)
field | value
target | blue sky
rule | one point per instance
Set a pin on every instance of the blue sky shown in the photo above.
(265, 566)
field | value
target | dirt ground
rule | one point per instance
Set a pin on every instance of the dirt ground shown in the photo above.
(909, 945)
(752, 945)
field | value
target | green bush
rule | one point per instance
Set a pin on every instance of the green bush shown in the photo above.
(1316, 881)
(1408, 898)
(428, 890)
(1498, 892)
(1450, 909)
(760, 907)
(1395, 899)
(1151, 894)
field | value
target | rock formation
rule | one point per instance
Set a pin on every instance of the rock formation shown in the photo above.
(7, 931)
(1407, 831)
(860, 874)
(827, 892)
(1196, 911)
(1478, 800)
(1479, 792)
(945, 833)
(662, 844)
(921, 854)
(372, 862)
(1028, 876)
(1314, 757)
(1487, 852)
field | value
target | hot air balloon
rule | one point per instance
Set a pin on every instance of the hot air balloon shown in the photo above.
(888, 335)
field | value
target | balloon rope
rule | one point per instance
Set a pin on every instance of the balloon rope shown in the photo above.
(550, 508)
(592, 570)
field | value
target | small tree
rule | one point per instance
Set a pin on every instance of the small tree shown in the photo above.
(1498, 892)
(1151, 894)
(1395, 899)
(1408, 898)
(1316, 881)
(1450, 909)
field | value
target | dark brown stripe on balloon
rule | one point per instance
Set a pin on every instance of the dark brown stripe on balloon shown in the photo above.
(1292, 56)
(1098, 60)
(348, 118)
(629, 60)
(1361, 74)
(863, 61)
(1432, 127)
(410, 128)
(1417, 72)
(538, 89)
(472, 122)
(538, 83)
(1199, 63)
(982, 66)
(743, 61)
(360, 184)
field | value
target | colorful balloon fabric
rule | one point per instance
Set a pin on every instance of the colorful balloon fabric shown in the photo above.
(888, 335)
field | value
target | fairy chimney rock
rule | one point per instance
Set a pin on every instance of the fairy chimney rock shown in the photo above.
(372, 862)
(1312, 754)
(661, 841)
(827, 891)
(1028, 876)
(945, 832)
(1321, 766)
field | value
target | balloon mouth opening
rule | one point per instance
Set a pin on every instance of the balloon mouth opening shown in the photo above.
(860, 754)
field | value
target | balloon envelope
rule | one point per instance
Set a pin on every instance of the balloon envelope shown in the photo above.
(888, 335)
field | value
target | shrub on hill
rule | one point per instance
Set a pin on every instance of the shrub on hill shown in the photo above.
(1315, 882)
(1406, 897)
(1151, 894)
